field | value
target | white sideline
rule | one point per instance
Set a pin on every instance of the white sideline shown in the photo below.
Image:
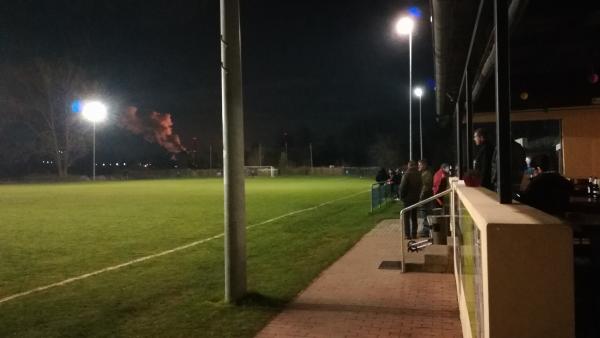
(141, 259)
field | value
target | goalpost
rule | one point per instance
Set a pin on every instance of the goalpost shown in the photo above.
(260, 170)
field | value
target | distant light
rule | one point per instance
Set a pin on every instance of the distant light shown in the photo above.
(418, 92)
(524, 96)
(405, 25)
(124, 164)
(430, 18)
(117, 164)
(94, 111)
(76, 106)
(415, 11)
(430, 83)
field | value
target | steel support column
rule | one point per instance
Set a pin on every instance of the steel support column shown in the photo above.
(459, 138)
(469, 122)
(233, 152)
(503, 136)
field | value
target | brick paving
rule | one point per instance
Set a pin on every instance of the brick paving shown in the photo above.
(353, 298)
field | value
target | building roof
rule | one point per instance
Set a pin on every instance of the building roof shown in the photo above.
(555, 53)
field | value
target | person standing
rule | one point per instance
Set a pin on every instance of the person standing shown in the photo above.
(410, 191)
(440, 182)
(395, 182)
(426, 192)
(482, 164)
(381, 177)
(548, 190)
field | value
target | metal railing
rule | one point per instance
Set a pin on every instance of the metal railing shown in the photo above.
(381, 193)
(410, 207)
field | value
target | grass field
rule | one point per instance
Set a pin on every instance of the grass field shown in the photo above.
(49, 233)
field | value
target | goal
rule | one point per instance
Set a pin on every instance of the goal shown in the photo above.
(260, 171)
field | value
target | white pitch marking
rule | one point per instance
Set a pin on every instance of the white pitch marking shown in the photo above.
(141, 259)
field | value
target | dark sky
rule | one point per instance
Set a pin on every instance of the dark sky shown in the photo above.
(322, 67)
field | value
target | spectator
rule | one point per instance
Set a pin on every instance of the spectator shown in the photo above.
(426, 192)
(381, 177)
(547, 190)
(482, 164)
(440, 181)
(395, 182)
(410, 191)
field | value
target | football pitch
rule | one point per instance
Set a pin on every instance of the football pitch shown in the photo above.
(145, 258)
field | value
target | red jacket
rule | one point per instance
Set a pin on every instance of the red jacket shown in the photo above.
(440, 183)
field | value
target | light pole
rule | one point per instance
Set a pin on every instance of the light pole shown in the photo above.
(419, 94)
(405, 26)
(94, 111)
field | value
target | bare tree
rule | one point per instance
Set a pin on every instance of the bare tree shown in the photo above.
(384, 152)
(40, 95)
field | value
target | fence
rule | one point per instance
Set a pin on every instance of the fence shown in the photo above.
(361, 171)
(135, 172)
(381, 194)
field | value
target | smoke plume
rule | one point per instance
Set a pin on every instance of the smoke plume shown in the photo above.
(154, 127)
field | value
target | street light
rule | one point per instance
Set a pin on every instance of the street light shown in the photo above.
(405, 26)
(419, 94)
(94, 111)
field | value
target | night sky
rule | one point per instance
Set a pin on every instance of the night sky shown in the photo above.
(328, 72)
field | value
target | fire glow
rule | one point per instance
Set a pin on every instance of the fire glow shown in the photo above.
(154, 127)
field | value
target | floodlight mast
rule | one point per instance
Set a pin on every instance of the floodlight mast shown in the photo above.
(405, 26)
(419, 94)
(94, 111)
(233, 152)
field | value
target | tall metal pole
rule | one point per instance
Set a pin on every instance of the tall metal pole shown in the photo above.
(311, 157)
(420, 128)
(410, 93)
(233, 152)
(259, 155)
(459, 138)
(469, 122)
(94, 151)
(503, 139)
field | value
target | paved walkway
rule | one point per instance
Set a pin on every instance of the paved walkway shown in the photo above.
(353, 298)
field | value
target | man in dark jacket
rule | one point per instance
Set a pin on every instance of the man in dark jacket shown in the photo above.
(410, 191)
(547, 190)
(381, 177)
(482, 163)
(426, 192)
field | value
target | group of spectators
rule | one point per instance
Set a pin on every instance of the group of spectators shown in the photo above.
(534, 184)
(415, 184)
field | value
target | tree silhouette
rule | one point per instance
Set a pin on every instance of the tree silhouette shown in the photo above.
(40, 95)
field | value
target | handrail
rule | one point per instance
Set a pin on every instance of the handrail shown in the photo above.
(425, 201)
(410, 207)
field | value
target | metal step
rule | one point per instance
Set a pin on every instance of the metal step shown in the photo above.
(434, 258)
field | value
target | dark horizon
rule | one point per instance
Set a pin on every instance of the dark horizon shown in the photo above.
(332, 74)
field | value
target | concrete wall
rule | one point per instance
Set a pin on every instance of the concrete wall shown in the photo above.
(580, 135)
(526, 269)
(581, 143)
